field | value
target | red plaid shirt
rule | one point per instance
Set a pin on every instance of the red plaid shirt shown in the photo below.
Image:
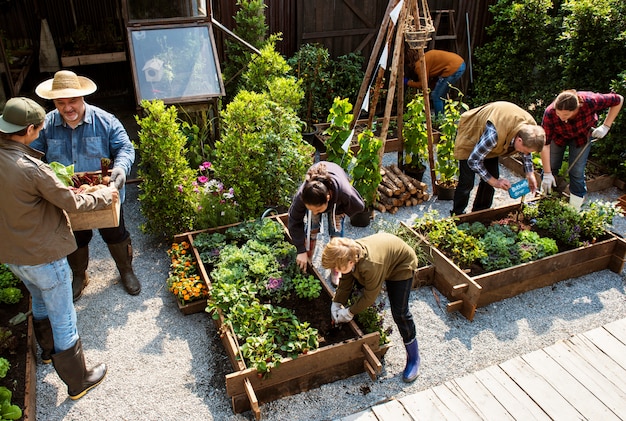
(579, 128)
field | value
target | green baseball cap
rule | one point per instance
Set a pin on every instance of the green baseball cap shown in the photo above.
(20, 113)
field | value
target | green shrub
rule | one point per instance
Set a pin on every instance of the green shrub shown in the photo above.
(166, 192)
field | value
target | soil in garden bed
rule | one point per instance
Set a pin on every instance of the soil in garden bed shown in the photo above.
(317, 313)
(15, 379)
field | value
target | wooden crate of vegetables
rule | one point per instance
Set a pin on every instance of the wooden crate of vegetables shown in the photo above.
(103, 218)
(468, 280)
(290, 344)
(84, 182)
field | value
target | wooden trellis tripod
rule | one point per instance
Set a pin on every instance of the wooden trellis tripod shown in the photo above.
(403, 20)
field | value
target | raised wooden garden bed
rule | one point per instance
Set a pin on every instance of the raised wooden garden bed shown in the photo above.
(344, 351)
(515, 165)
(466, 293)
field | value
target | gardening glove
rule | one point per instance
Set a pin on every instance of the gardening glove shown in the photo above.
(334, 310)
(118, 177)
(548, 182)
(344, 315)
(600, 132)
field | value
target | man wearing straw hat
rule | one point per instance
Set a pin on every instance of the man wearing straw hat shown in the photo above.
(81, 134)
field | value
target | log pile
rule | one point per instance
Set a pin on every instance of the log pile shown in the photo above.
(398, 189)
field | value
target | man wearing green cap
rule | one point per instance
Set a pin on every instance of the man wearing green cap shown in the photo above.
(37, 237)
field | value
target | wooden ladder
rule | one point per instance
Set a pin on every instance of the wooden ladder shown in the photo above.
(451, 26)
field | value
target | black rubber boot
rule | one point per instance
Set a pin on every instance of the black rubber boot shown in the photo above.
(123, 255)
(43, 334)
(79, 260)
(70, 366)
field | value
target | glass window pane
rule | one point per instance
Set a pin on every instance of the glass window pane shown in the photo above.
(174, 63)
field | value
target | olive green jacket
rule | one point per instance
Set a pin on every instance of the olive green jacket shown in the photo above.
(385, 258)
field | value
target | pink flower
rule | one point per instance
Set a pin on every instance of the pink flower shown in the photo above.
(180, 188)
(203, 179)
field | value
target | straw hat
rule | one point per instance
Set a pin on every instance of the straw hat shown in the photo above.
(66, 84)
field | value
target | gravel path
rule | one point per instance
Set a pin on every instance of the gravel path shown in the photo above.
(166, 366)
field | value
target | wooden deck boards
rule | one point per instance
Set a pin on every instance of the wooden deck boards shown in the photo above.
(583, 377)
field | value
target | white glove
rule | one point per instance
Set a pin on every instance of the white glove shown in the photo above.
(600, 132)
(548, 182)
(344, 315)
(334, 310)
(118, 177)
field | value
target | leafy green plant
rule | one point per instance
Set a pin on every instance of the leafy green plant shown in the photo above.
(261, 153)
(568, 226)
(338, 131)
(262, 267)
(446, 166)
(250, 25)
(415, 134)
(8, 411)
(310, 65)
(307, 286)
(9, 293)
(166, 193)
(366, 170)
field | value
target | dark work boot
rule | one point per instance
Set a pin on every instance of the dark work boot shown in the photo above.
(79, 260)
(412, 362)
(123, 255)
(70, 366)
(43, 334)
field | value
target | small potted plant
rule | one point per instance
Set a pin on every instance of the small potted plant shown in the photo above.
(415, 136)
(366, 174)
(446, 166)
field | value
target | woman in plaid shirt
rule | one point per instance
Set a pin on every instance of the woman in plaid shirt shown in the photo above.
(570, 122)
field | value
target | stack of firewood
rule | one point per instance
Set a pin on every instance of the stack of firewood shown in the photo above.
(398, 189)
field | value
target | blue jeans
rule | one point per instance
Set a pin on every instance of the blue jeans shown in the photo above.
(50, 286)
(398, 293)
(442, 87)
(577, 185)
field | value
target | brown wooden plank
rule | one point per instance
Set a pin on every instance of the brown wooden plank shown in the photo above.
(568, 386)
(426, 405)
(509, 394)
(391, 411)
(314, 363)
(479, 398)
(584, 347)
(597, 383)
(610, 345)
(617, 329)
(539, 390)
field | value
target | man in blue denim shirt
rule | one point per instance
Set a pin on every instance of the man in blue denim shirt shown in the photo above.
(80, 134)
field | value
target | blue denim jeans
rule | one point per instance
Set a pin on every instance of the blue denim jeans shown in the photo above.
(577, 185)
(50, 287)
(442, 87)
(398, 293)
